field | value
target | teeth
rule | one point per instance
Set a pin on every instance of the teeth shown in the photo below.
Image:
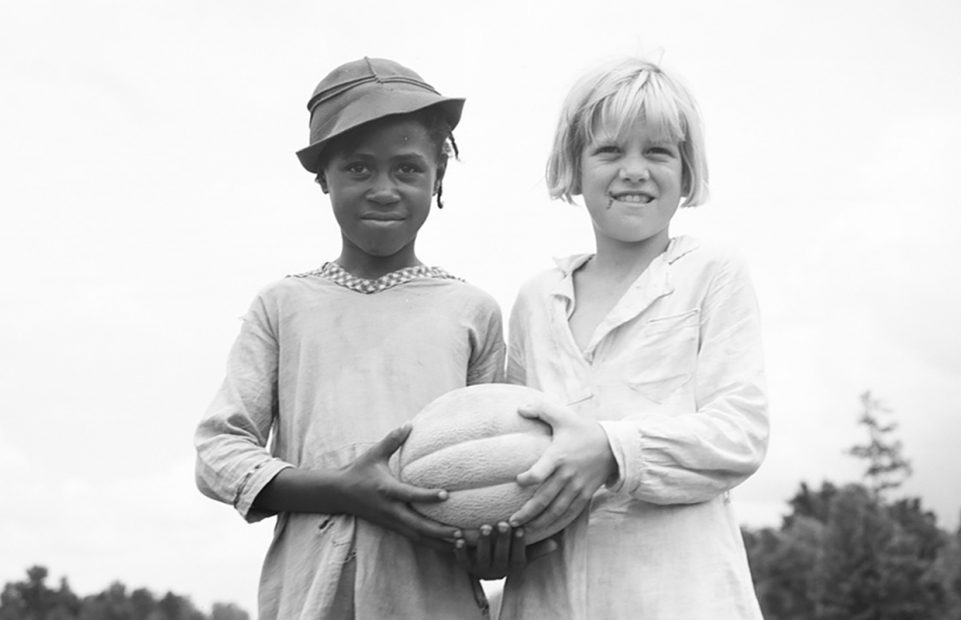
(635, 198)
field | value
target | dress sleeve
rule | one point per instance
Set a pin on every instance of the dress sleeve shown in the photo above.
(666, 458)
(486, 363)
(516, 355)
(233, 462)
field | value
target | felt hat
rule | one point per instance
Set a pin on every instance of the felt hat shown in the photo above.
(365, 90)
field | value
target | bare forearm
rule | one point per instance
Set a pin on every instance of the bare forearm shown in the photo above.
(304, 490)
(365, 488)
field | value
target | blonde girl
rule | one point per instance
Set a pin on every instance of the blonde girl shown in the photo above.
(653, 341)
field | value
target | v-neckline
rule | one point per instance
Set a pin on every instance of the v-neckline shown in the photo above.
(333, 272)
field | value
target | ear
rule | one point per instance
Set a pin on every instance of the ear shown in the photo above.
(322, 181)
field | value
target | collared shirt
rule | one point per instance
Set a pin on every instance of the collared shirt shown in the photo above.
(321, 371)
(674, 375)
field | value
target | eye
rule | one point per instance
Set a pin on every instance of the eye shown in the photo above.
(356, 168)
(663, 151)
(409, 169)
(606, 149)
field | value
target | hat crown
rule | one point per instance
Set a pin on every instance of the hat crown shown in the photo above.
(364, 71)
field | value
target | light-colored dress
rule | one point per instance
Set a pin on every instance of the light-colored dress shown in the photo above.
(325, 365)
(674, 374)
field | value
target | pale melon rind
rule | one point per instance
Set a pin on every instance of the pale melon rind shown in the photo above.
(477, 411)
(471, 508)
(484, 462)
(473, 443)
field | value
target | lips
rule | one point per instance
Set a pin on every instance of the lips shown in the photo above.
(383, 217)
(633, 197)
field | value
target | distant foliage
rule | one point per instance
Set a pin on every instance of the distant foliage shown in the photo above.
(846, 554)
(851, 553)
(886, 466)
(32, 599)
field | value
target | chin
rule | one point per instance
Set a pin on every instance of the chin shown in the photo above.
(383, 252)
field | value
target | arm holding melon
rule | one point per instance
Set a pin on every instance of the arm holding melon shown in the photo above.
(234, 465)
(670, 458)
(665, 458)
(365, 488)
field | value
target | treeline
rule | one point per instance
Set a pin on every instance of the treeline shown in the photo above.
(33, 599)
(850, 552)
(844, 553)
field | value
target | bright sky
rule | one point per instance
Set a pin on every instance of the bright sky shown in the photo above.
(150, 189)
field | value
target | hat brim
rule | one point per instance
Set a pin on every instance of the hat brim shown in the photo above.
(377, 105)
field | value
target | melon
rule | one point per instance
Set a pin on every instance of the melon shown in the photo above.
(473, 443)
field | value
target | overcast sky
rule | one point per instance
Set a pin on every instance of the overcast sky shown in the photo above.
(150, 189)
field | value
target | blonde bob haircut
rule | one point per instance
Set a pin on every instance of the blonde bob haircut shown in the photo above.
(614, 96)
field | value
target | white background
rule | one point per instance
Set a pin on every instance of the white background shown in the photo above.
(149, 189)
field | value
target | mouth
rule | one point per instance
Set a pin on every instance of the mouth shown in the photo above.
(632, 197)
(382, 217)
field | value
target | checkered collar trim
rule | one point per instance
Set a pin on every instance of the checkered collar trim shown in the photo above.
(336, 274)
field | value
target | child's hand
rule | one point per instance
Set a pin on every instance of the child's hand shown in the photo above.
(499, 552)
(372, 492)
(578, 461)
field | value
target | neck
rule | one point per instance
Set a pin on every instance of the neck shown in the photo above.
(360, 264)
(626, 260)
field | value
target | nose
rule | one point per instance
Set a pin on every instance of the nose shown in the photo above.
(634, 169)
(383, 191)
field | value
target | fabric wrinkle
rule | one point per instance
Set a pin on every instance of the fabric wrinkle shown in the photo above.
(674, 376)
(315, 378)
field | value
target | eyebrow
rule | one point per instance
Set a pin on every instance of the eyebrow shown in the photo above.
(369, 155)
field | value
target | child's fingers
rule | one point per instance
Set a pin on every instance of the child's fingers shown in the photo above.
(502, 547)
(424, 528)
(410, 494)
(391, 442)
(460, 554)
(566, 505)
(539, 471)
(553, 414)
(482, 552)
(541, 499)
(518, 556)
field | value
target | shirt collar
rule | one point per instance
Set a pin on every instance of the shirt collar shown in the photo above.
(676, 248)
(652, 284)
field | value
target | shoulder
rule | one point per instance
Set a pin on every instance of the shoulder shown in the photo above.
(471, 296)
(706, 258)
(714, 275)
(291, 293)
(547, 281)
(288, 287)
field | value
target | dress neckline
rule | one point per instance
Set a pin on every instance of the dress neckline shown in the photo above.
(333, 272)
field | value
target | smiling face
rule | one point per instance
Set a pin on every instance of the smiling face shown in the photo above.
(631, 182)
(381, 179)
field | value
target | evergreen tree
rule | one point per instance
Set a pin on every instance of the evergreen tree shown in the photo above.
(887, 468)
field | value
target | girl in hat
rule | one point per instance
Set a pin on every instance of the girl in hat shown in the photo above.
(654, 343)
(330, 364)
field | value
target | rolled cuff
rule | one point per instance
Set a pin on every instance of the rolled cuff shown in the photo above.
(253, 483)
(624, 439)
